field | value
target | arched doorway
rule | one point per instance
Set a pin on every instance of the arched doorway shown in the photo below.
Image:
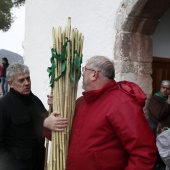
(135, 23)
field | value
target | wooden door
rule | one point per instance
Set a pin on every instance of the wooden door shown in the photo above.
(160, 71)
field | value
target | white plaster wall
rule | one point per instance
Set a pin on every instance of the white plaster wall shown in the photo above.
(94, 19)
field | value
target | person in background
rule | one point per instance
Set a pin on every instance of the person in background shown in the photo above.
(159, 106)
(159, 112)
(4, 84)
(0, 74)
(0, 71)
(109, 128)
(23, 118)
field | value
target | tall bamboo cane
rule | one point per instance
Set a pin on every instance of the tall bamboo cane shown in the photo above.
(50, 111)
(67, 57)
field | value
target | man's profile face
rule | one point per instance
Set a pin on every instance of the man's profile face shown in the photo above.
(86, 78)
(165, 90)
(21, 83)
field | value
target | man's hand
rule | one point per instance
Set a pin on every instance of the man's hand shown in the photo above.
(55, 123)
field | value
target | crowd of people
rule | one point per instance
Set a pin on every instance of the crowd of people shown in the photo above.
(109, 128)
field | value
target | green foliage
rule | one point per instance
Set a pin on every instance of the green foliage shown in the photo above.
(6, 15)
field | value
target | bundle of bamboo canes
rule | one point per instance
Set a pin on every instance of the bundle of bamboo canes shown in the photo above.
(65, 72)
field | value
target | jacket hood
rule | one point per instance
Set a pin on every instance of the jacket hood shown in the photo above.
(130, 88)
(94, 94)
(134, 91)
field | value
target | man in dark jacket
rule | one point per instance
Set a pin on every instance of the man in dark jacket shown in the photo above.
(159, 109)
(159, 105)
(4, 84)
(22, 117)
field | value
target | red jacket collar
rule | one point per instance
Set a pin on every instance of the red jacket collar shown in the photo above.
(92, 95)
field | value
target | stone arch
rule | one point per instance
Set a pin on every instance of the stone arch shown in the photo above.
(136, 21)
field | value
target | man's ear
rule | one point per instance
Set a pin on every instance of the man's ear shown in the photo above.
(10, 83)
(94, 75)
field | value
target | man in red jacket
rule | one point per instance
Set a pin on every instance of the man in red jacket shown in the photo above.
(109, 130)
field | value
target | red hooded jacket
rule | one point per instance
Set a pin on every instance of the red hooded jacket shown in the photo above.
(110, 131)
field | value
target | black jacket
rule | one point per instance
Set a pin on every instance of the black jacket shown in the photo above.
(4, 67)
(21, 124)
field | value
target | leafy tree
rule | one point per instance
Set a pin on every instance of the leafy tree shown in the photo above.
(6, 15)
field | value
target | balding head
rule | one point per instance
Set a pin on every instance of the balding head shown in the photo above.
(165, 83)
(165, 88)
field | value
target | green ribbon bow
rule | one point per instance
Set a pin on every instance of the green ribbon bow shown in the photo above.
(75, 65)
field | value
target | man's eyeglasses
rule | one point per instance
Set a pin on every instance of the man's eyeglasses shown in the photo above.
(84, 69)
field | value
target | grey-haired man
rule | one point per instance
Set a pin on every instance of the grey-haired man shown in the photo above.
(159, 105)
(22, 120)
(159, 109)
